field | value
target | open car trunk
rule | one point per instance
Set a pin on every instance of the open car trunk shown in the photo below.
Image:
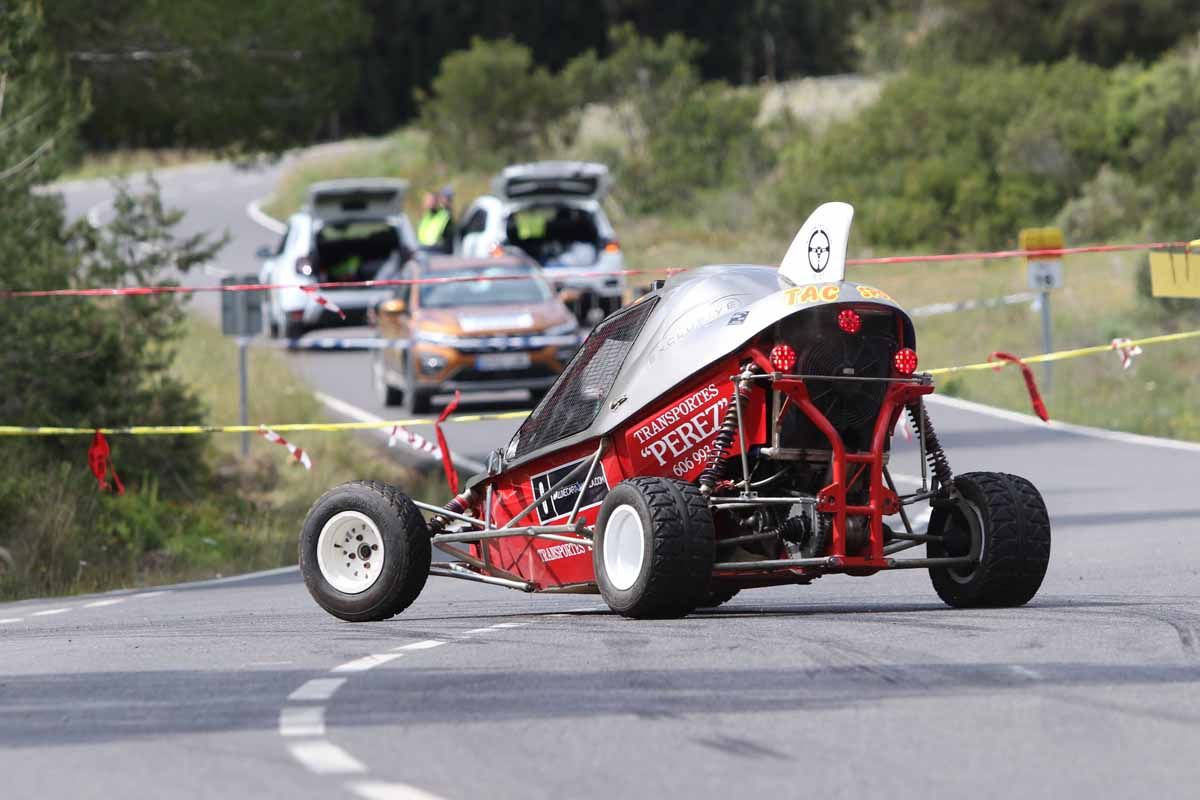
(360, 252)
(556, 235)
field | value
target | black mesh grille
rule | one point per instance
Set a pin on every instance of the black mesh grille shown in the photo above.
(576, 398)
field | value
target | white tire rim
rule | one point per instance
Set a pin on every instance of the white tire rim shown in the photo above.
(350, 552)
(624, 547)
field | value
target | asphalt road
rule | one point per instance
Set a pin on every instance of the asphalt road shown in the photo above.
(850, 687)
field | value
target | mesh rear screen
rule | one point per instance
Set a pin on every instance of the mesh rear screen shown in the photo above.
(576, 398)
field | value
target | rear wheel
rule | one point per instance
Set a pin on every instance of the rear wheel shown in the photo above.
(294, 329)
(1005, 517)
(654, 548)
(417, 400)
(385, 393)
(364, 551)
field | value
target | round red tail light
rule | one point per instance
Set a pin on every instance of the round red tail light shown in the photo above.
(849, 321)
(783, 358)
(905, 361)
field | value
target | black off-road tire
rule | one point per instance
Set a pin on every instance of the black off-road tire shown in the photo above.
(679, 547)
(293, 329)
(1016, 543)
(718, 596)
(407, 551)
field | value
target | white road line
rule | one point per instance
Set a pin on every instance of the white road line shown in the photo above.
(428, 644)
(359, 415)
(325, 758)
(143, 595)
(317, 689)
(509, 624)
(391, 791)
(103, 603)
(49, 611)
(255, 212)
(1025, 672)
(477, 630)
(366, 663)
(10, 620)
(1066, 427)
(302, 721)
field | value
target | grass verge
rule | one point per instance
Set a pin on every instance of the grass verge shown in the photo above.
(238, 515)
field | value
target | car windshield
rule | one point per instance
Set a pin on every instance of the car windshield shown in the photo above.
(496, 286)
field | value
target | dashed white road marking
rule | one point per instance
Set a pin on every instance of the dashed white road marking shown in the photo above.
(509, 624)
(325, 758)
(391, 791)
(477, 630)
(103, 603)
(144, 595)
(365, 663)
(317, 689)
(302, 721)
(10, 620)
(428, 644)
(49, 611)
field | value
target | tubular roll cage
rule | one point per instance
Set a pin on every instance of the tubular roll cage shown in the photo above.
(883, 499)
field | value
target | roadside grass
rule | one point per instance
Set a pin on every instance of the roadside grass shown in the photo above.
(1100, 300)
(119, 163)
(232, 516)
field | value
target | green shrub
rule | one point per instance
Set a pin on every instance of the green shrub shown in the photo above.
(490, 105)
(954, 157)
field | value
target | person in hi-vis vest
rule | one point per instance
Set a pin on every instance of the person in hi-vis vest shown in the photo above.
(436, 230)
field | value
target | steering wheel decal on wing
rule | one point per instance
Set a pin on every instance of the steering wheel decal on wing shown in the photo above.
(818, 250)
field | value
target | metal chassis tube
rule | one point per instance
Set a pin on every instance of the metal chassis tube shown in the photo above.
(832, 499)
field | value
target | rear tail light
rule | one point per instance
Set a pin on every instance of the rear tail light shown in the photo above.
(304, 266)
(905, 361)
(783, 358)
(497, 251)
(849, 321)
(612, 247)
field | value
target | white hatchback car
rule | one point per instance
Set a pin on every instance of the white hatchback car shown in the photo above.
(551, 210)
(350, 230)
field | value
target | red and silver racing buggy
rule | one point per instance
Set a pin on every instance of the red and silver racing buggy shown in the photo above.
(730, 429)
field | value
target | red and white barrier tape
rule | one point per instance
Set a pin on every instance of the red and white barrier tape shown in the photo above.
(297, 453)
(1126, 350)
(413, 440)
(324, 301)
(313, 287)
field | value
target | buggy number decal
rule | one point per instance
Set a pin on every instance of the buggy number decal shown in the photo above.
(563, 500)
(680, 435)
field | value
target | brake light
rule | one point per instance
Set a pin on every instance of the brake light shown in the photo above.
(905, 361)
(783, 357)
(849, 321)
(304, 266)
(497, 251)
(612, 247)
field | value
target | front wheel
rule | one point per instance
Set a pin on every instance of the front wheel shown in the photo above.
(1004, 518)
(654, 548)
(364, 551)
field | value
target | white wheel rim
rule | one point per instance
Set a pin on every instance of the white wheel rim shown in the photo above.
(624, 547)
(350, 552)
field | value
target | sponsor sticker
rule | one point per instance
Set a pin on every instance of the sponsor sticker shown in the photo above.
(738, 318)
(560, 503)
(814, 293)
(678, 437)
(694, 319)
(871, 293)
(564, 550)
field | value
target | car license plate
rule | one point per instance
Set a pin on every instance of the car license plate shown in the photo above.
(501, 361)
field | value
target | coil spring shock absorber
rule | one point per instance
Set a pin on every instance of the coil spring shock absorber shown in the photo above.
(457, 505)
(715, 469)
(938, 463)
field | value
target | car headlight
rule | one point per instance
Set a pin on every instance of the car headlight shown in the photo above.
(434, 337)
(570, 326)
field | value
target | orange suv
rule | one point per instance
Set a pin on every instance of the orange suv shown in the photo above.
(503, 329)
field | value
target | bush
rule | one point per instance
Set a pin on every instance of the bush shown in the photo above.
(967, 156)
(489, 105)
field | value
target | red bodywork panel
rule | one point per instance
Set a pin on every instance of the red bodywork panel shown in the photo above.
(671, 439)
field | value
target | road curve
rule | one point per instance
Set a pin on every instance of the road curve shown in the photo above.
(850, 687)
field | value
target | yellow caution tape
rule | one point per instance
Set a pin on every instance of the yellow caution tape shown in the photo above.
(183, 430)
(1063, 355)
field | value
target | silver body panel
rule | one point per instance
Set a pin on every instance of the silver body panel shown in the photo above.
(693, 325)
